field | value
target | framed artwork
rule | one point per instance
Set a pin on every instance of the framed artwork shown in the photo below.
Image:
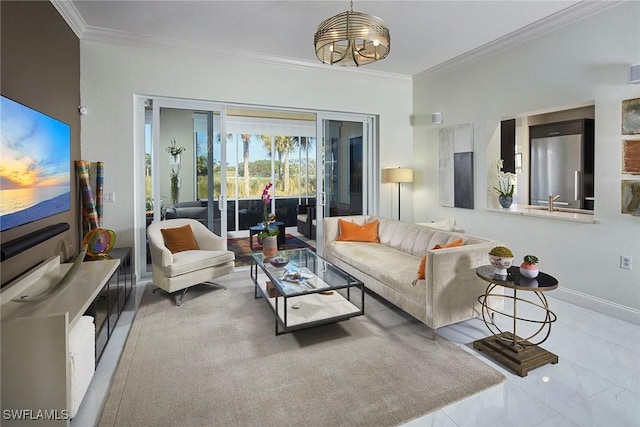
(631, 116)
(445, 167)
(455, 166)
(463, 180)
(631, 157)
(630, 197)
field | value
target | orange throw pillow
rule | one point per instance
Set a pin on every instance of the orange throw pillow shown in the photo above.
(423, 261)
(179, 239)
(352, 232)
(422, 267)
(453, 244)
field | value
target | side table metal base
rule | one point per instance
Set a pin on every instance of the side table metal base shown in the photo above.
(520, 358)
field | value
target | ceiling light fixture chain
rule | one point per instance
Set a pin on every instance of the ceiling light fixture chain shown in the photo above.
(352, 38)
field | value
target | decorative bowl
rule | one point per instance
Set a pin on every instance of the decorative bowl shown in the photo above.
(500, 264)
(279, 261)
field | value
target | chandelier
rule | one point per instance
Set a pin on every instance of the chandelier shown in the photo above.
(352, 38)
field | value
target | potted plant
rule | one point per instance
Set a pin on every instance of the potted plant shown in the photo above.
(175, 151)
(175, 185)
(528, 268)
(506, 186)
(501, 258)
(268, 234)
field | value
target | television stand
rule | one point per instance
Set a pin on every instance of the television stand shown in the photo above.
(35, 338)
(108, 306)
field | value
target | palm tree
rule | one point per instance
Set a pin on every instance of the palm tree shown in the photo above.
(283, 146)
(147, 164)
(245, 159)
(201, 165)
(305, 143)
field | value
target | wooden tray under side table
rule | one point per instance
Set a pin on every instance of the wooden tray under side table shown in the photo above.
(519, 358)
(518, 354)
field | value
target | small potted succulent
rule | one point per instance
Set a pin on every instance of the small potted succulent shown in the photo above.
(528, 268)
(501, 258)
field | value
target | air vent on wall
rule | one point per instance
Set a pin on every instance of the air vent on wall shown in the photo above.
(634, 73)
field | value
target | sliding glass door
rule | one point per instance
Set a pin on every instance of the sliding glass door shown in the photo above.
(345, 183)
(210, 162)
(185, 164)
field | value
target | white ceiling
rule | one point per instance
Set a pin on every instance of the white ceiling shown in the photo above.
(424, 33)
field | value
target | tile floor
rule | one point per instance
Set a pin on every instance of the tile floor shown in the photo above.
(595, 383)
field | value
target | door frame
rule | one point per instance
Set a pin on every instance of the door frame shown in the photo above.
(140, 197)
(370, 167)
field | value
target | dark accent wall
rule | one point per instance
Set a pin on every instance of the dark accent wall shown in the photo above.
(508, 145)
(40, 68)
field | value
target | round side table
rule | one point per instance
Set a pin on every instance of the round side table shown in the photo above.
(521, 354)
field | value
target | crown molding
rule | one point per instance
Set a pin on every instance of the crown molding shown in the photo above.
(72, 17)
(104, 35)
(109, 36)
(537, 29)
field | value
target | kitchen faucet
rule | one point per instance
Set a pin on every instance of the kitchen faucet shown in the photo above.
(552, 199)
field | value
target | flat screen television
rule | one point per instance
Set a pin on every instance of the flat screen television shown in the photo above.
(35, 165)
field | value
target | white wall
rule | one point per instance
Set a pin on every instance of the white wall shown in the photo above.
(111, 75)
(585, 61)
(178, 125)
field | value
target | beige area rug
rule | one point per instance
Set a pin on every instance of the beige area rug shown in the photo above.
(215, 361)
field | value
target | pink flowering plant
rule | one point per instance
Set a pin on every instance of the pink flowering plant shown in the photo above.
(266, 198)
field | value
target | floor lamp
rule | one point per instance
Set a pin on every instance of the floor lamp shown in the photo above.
(398, 176)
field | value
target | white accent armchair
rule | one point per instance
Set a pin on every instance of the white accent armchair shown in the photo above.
(173, 272)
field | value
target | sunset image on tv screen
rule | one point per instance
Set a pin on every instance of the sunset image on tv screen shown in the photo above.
(35, 162)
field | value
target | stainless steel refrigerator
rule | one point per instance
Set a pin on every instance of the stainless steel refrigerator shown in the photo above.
(562, 164)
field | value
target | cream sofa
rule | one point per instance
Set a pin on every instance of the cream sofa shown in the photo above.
(448, 294)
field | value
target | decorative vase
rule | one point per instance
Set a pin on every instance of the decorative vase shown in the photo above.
(505, 201)
(530, 272)
(500, 264)
(269, 246)
(529, 267)
(175, 190)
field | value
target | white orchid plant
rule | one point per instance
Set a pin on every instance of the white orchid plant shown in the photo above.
(506, 181)
(173, 148)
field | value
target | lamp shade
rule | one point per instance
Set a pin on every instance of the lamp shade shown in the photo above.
(398, 175)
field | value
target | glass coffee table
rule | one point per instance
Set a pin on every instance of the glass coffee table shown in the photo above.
(308, 291)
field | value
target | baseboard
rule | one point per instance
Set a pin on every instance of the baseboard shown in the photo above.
(599, 305)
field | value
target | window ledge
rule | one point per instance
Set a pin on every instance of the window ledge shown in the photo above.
(578, 216)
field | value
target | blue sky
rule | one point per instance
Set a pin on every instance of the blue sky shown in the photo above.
(34, 148)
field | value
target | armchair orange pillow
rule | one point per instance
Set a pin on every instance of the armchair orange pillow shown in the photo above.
(423, 261)
(179, 239)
